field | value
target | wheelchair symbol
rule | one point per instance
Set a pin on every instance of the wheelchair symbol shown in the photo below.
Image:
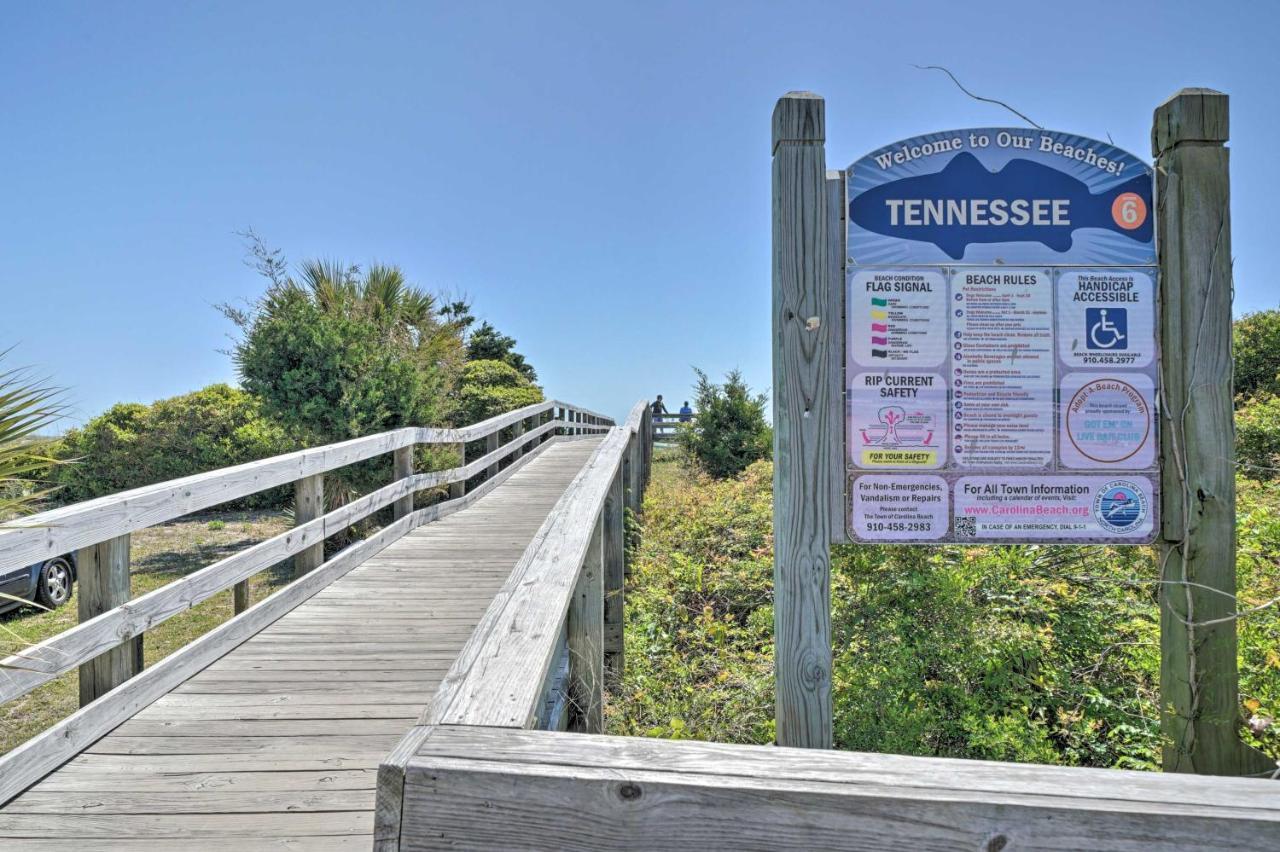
(1107, 328)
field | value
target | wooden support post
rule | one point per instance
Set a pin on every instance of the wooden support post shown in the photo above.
(516, 431)
(628, 470)
(802, 394)
(308, 504)
(102, 572)
(586, 640)
(240, 597)
(402, 468)
(646, 447)
(491, 444)
(1199, 682)
(459, 488)
(611, 517)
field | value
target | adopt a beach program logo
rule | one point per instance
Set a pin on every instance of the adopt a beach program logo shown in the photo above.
(1120, 506)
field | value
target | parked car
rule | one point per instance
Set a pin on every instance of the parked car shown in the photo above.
(48, 583)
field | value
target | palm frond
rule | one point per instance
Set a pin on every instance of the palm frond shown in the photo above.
(28, 406)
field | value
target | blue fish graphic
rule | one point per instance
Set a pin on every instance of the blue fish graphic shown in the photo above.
(964, 178)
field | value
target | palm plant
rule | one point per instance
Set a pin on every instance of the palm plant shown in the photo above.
(27, 407)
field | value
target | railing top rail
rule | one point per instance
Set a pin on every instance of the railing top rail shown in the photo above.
(751, 796)
(606, 418)
(498, 677)
(68, 528)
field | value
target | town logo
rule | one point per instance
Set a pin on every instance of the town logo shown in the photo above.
(1120, 506)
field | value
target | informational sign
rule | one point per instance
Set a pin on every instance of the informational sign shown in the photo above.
(1000, 365)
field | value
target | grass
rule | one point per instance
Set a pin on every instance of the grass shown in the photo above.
(160, 555)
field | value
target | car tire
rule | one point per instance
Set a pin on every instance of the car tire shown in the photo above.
(53, 586)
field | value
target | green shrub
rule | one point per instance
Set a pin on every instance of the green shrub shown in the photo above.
(486, 343)
(131, 444)
(490, 388)
(340, 354)
(1258, 437)
(1255, 338)
(730, 431)
(1024, 653)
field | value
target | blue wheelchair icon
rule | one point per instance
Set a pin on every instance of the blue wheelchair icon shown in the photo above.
(1106, 328)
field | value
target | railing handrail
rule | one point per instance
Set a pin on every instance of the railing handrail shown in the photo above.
(497, 680)
(67, 528)
(504, 674)
(641, 793)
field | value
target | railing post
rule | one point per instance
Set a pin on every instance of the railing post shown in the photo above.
(402, 468)
(308, 504)
(635, 488)
(586, 639)
(614, 576)
(240, 597)
(517, 429)
(491, 444)
(646, 447)
(459, 488)
(103, 575)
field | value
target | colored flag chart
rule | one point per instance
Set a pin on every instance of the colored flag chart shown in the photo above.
(879, 327)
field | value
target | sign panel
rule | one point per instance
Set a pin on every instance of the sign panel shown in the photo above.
(1000, 360)
(1001, 196)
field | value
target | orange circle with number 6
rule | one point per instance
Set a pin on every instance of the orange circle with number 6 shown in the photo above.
(1129, 210)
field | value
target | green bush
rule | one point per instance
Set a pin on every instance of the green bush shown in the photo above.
(131, 444)
(1024, 653)
(1255, 338)
(486, 343)
(1258, 437)
(490, 388)
(730, 431)
(340, 354)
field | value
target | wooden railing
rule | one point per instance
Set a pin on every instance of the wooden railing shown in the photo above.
(106, 644)
(489, 765)
(539, 655)
(667, 426)
(478, 787)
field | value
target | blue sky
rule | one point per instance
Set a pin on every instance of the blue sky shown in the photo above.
(594, 176)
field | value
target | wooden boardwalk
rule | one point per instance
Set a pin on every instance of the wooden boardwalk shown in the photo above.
(276, 745)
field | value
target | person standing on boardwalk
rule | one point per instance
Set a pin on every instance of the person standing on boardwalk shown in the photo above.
(658, 409)
(686, 413)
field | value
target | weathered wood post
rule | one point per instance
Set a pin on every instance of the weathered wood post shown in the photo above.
(802, 396)
(308, 504)
(240, 597)
(402, 468)
(614, 575)
(586, 639)
(516, 431)
(459, 488)
(646, 446)
(490, 445)
(1199, 681)
(102, 572)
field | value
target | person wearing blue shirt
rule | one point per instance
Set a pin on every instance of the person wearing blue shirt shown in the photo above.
(686, 413)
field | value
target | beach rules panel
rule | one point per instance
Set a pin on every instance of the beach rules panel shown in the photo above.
(1000, 361)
